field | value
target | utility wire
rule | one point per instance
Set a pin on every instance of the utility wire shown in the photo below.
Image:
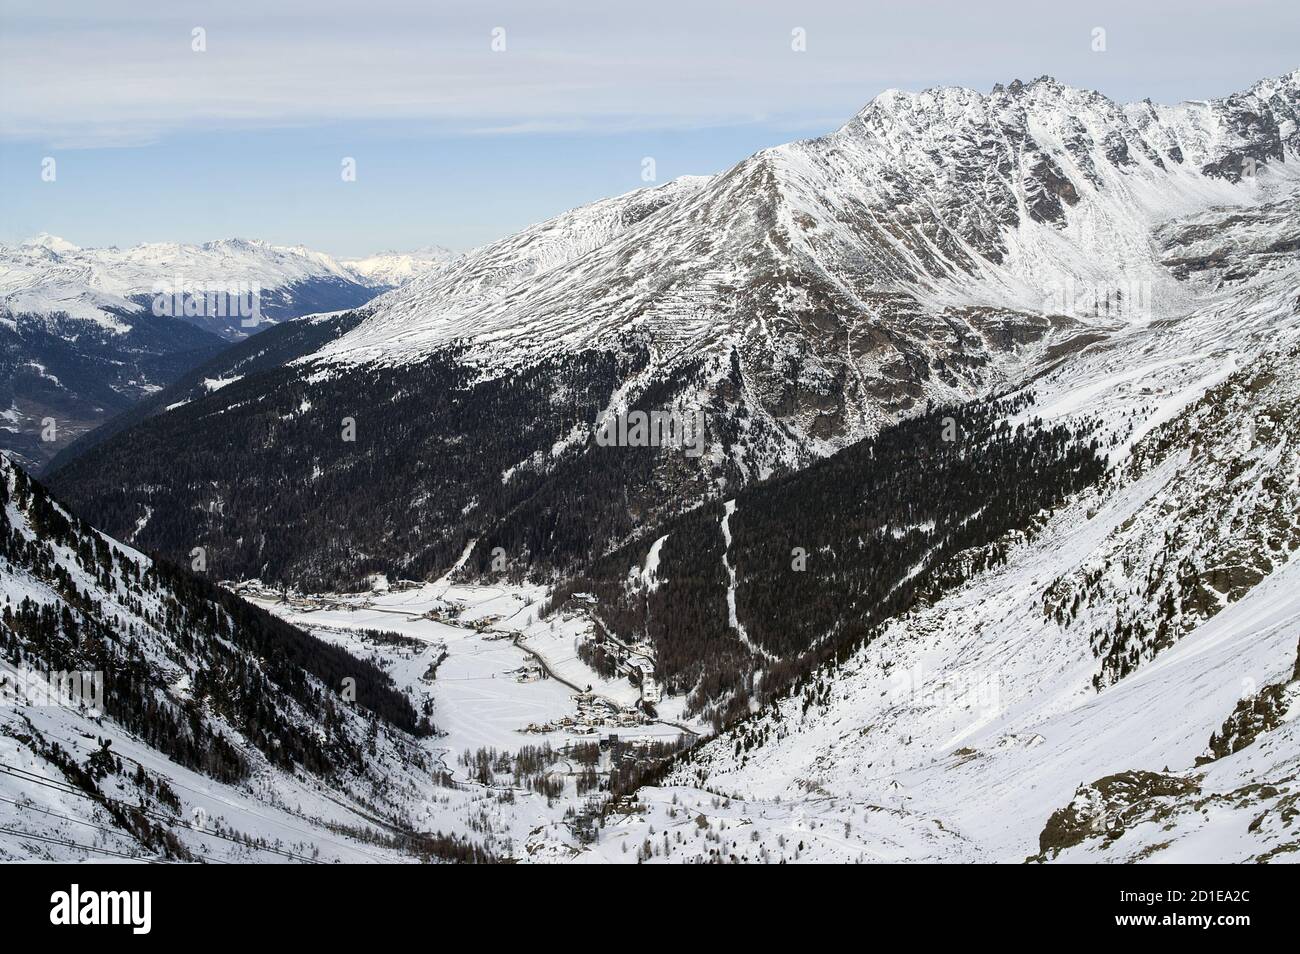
(75, 844)
(25, 776)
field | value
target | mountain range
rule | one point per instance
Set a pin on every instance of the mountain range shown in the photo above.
(987, 552)
(86, 333)
(939, 247)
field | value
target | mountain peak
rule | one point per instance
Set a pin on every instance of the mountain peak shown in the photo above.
(52, 242)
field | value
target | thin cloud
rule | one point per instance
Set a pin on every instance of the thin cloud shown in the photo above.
(85, 74)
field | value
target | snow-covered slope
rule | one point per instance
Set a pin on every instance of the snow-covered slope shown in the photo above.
(1106, 653)
(436, 306)
(147, 714)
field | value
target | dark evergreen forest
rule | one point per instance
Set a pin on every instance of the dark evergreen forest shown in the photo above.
(319, 481)
(824, 556)
(246, 664)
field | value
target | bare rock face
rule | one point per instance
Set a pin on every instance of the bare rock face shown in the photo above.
(1104, 807)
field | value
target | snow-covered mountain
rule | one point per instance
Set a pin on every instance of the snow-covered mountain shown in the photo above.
(398, 268)
(940, 246)
(49, 275)
(950, 198)
(1118, 681)
(1052, 618)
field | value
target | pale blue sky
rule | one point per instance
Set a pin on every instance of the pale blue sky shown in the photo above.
(457, 144)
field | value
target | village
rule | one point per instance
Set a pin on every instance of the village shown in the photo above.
(401, 621)
(635, 662)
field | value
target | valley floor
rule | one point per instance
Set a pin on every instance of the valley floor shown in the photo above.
(495, 679)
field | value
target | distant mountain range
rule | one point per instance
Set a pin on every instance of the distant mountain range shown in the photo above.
(49, 275)
(85, 333)
(397, 268)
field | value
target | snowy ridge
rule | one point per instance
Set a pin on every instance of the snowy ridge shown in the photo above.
(952, 197)
(48, 274)
(488, 274)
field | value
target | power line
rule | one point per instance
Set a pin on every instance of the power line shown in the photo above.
(27, 806)
(314, 836)
(31, 807)
(76, 844)
(275, 821)
(64, 789)
(24, 776)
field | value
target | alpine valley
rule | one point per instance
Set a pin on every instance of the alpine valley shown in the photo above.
(988, 552)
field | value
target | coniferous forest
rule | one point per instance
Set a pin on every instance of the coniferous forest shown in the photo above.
(823, 557)
(247, 663)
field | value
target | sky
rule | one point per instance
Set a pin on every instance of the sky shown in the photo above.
(169, 120)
